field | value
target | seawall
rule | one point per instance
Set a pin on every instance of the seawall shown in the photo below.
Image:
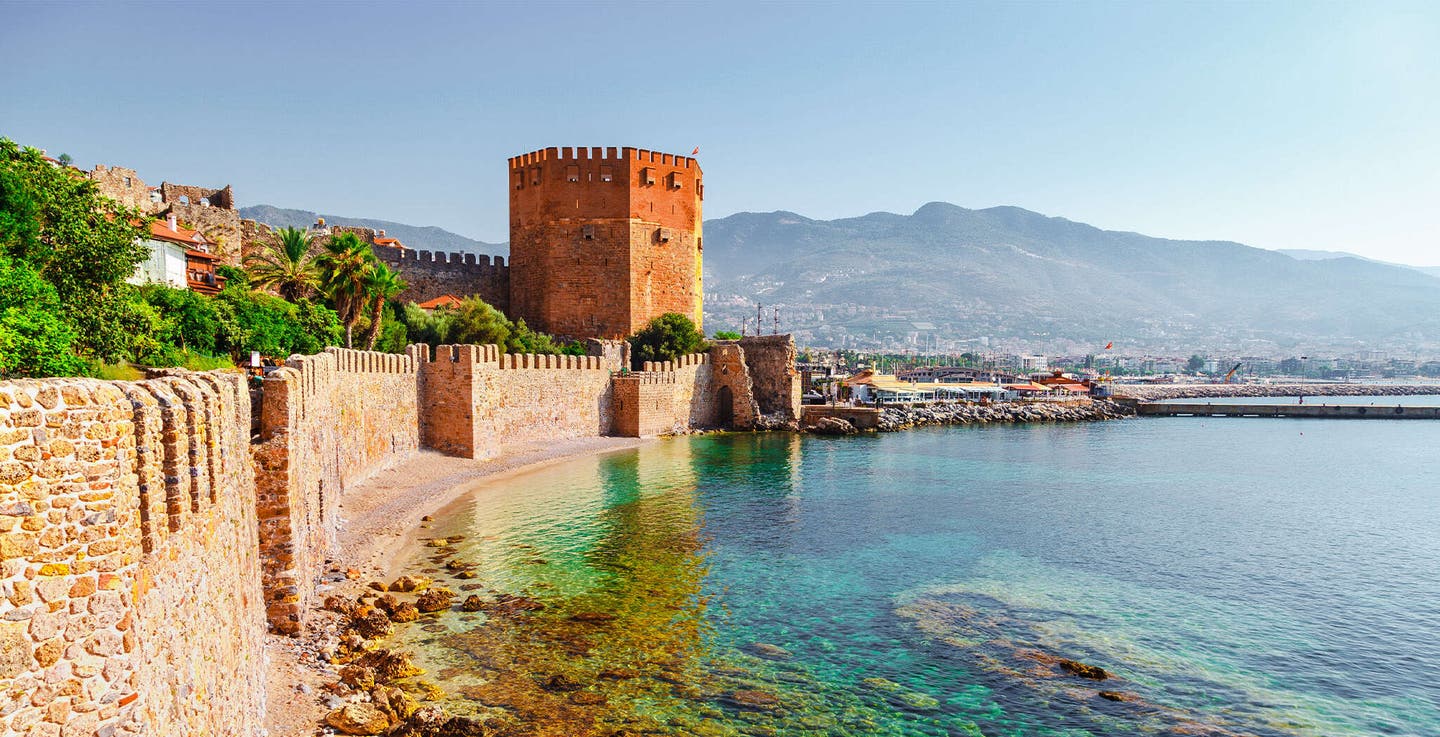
(1155, 392)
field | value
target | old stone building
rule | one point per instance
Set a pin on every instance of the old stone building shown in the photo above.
(209, 211)
(604, 240)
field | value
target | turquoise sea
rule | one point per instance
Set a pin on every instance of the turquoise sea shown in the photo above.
(1231, 576)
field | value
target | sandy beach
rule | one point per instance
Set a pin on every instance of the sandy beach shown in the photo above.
(378, 519)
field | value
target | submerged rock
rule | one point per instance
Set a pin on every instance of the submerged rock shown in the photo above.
(407, 584)
(1075, 667)
(752, 699)
(773, 652)
(472, 603)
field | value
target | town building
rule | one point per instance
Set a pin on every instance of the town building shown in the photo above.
(179, 257)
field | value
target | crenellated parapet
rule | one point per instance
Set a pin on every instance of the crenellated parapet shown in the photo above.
(431, 274)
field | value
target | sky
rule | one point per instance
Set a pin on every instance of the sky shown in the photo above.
(1277, 124)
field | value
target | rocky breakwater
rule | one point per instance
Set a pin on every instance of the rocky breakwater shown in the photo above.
(1157, 392)
(965, 413)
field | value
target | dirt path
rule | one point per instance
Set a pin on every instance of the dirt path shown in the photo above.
(378, 518)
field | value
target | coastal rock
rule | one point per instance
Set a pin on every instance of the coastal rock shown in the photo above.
(832, 426)
(435, 600)
(561, 682)
(592, 617)
(408, 584)
(370, 624)
(472, 603)
(357, 677)
(358, 719)
(1113, 696)
(388, 665)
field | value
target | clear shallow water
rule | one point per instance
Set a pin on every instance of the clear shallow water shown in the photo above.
(1265, 577)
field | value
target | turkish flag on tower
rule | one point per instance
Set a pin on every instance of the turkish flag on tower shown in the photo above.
(696, 151)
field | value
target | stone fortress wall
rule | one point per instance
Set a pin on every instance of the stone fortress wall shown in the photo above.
(146, 538)
(327, 422)
(430, 274)
(130, 575)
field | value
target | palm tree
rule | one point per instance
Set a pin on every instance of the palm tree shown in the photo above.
(285, 266)
(382, 286)
(345, 269)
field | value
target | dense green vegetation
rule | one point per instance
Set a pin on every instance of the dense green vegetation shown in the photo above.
(665, 338)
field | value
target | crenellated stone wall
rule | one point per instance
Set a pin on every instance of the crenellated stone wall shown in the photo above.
(146, 538)
(478, 399)
(327, 422)
(131, 598)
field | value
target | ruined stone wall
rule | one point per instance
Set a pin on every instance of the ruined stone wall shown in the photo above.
(327, 422)
(131, 600)
(219, 225)
(476, 399)
(124, 186)
(429, 275)
(771, 361)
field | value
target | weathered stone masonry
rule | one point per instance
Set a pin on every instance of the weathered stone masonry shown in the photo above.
(145, 540)
(327, 422)
(130, 574)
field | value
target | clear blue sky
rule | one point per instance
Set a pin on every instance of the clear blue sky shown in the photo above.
(1281, 125)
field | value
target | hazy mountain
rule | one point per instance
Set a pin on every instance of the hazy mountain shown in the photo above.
(1006, 272)
(425, 238)
(1305, 254)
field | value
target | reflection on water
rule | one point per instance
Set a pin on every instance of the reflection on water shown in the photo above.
(942, 582)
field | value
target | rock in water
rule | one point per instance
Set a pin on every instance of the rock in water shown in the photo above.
(434, 600)
(756, 700)
(773, 652)
(358, 719)
(1093, 672)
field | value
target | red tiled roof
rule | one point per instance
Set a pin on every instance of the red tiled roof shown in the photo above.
(161, 230)
(391, 242)
(444, 300)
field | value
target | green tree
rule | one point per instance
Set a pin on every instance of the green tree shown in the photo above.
(85, 245)
(665, 338)
(34, 340)
(345, 269)
(285, 266)
(727, 335)
(431, 328)
(255, 321)
(191, 323)
(65, 159)
(476, 321)
(1195, 363)
(381, 286)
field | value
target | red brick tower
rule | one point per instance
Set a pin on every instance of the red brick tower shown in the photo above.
(603, 241)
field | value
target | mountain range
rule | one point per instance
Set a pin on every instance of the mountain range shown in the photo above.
(1008, 278)
(425, 238)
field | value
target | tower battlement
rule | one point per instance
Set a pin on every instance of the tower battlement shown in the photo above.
(602, 240)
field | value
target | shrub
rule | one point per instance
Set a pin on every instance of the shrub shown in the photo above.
(666, 338)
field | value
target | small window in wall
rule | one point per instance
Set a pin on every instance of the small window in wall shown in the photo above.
(572, 173)
(127, 181)
(520, 180)
(535, 176)
(184, 199)
(647, 175)
(699, 244)
(675, 180)
(666, 234)
(607, 174)
(587, 232)
(204, 201)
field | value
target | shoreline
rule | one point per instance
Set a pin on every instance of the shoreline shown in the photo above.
(380, 517)
(1157, 392)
